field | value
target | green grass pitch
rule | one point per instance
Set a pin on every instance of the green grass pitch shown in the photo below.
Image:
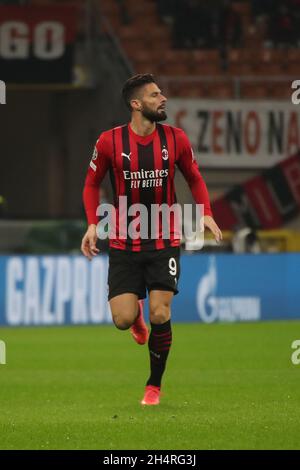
(227, 386)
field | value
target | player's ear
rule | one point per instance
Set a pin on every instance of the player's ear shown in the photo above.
(136, 104)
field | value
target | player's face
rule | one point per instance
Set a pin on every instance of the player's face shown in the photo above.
(153, 103)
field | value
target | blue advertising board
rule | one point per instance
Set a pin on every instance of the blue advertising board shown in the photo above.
(62, 290)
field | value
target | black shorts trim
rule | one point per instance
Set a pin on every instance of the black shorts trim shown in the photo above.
(164, 288)
(125, 290)
(140, 294)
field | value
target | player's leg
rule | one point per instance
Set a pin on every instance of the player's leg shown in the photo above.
(162, 275)
(160, 339)
(124, 310)
(159, 343)
(126, 286)
(128, 312)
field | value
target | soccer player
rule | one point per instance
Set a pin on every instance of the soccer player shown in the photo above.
(141, 157)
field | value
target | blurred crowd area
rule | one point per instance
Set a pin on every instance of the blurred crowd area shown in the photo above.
(214, 23)
(199, 24)
(219, 23)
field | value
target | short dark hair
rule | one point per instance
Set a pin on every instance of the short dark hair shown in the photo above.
(133, 84)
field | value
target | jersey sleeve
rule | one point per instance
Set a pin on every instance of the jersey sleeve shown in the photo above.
(188, 166)
(98, 167)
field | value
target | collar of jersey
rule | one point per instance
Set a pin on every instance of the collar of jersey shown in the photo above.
(144, 140)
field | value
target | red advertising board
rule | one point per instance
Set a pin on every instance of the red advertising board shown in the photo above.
(266, 201)
(36, 43)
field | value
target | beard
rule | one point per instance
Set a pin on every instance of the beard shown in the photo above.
(154, 116)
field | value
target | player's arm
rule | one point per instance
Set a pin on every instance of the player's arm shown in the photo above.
(97, 169)
(189, 168)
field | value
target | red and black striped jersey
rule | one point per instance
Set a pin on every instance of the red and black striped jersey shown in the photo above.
(143, 169)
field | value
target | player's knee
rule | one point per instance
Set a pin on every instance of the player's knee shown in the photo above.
(122, 322)
(160, 313)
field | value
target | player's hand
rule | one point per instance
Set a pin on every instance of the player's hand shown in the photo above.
(88, 244)
(212, 226)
